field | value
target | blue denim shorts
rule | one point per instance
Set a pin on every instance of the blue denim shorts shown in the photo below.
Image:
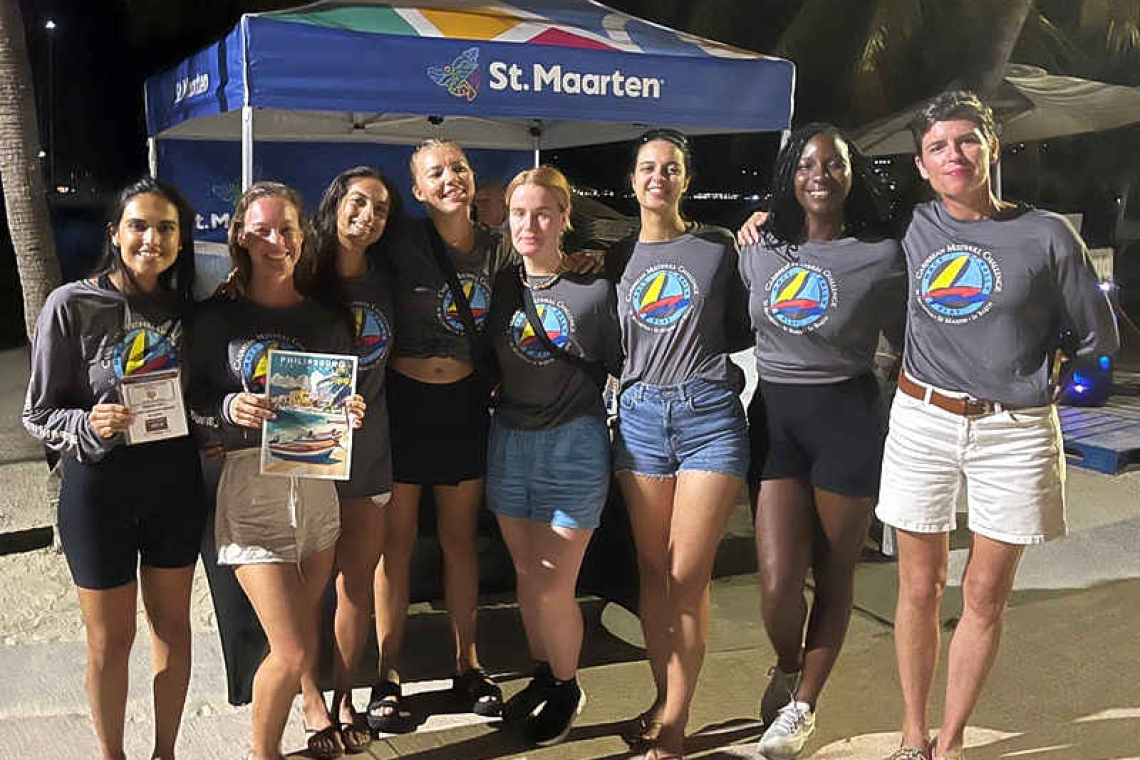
(696, 425)
(559, 476)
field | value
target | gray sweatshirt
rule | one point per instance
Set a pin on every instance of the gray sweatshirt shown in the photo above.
(818, 309)
(232, 339)
(540, 390)
(371, 303)
(989, 300)
(88, 336)
(427, 319)
(683, 308)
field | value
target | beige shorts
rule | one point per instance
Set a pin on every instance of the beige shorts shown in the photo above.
(267, 518)
(1009, 466)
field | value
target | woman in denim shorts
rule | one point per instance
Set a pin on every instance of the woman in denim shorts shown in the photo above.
(548, 462)
(681, 449)
(992, 286)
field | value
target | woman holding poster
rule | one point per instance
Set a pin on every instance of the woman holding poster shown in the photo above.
(278, 532)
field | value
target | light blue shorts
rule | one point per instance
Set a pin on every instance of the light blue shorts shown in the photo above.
(696, 425)
(559, 476)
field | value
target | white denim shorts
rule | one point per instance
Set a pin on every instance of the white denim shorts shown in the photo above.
(1010, 464)
(268, 518)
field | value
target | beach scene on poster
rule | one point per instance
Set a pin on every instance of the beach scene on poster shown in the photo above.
(310, 437)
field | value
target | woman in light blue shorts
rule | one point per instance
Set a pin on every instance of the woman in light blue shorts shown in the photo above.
(681, 450)
(548, 465)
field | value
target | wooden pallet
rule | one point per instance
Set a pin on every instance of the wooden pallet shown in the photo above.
(1101, 439)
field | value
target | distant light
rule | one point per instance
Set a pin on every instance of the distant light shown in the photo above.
(1105, 286)
(63, 189)
(42, 153)
(50, 25)
(1103, 361)
(1078, 389)
(1079, 379)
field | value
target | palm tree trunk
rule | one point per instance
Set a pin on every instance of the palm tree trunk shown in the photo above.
(20, 172)
(1000, 26)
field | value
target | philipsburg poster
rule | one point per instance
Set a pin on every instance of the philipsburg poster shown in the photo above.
(311, 437)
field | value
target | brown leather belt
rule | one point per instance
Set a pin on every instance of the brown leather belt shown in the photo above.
(966, 407)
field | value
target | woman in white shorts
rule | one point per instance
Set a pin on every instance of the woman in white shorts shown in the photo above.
(279, 532)
(992, 287)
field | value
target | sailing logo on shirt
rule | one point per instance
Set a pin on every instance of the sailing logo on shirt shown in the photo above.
(557, 322)
(143, 349)
(372, 334)
(955, 284)
(662, 296)
(800, 297)
(478, 293)
(253, 360)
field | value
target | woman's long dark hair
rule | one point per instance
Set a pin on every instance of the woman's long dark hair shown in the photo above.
(178, 279)
(865, 211)
(325, 228)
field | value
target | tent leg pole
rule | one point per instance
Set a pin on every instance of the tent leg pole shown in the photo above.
(152, 156)
(246, 147)
(997, 179)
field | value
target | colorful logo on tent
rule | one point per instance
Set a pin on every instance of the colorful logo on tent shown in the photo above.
(461, 77)
(527, 344)
(372, 334)
(255, 362)
(955, 284)
(799, 298)
(662, 296)
(143, 350)
(478, 294)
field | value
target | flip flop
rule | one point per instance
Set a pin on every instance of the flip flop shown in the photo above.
(323, 743)
(642, 731)
(385, 697)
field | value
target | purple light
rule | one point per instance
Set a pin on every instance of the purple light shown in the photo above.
(1078, 388)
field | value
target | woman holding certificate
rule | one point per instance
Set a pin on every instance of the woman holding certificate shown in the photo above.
(280, 533)
(132, 487)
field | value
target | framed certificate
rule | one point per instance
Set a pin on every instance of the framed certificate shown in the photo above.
(155, 399)
(310, 437)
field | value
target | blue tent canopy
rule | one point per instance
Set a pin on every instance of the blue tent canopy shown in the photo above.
(549, 74)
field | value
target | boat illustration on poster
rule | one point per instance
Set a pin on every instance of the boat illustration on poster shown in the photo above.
(310, 437)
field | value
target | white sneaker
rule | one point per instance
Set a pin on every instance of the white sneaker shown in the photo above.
(785, 738)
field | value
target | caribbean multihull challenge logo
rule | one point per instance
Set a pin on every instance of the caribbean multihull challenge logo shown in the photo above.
(372, 334)
(478, 293)
(956, 283)
(142, 350)
(526, 343)
(253, 360)
(662, 296)
(799, 297)
(463, 77)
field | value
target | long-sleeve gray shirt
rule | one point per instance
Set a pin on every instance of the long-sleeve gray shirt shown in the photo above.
(683, 308)
(539, 390)
(817, 310)
(989, 300)
(88, 336)
(231, 340)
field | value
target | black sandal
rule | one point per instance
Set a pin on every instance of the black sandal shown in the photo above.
(384, 708)
(477, 689)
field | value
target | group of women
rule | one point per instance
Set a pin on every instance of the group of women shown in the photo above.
(441, 311)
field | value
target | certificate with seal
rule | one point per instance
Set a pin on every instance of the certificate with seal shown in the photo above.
(155, 399)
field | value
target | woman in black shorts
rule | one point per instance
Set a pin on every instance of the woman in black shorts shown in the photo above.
(823, 284)
(123, 505)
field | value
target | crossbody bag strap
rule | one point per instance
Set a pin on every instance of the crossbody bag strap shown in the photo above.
(594, 370)
(462, 305)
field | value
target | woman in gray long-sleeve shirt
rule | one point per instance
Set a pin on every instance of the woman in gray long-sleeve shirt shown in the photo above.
(992, 287)
(126, 510)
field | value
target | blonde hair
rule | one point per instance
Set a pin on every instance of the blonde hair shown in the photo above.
(548, 177)
(432, 143)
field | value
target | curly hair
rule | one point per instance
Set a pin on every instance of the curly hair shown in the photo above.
(864, 210)
(305, 270)
(178, 279)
